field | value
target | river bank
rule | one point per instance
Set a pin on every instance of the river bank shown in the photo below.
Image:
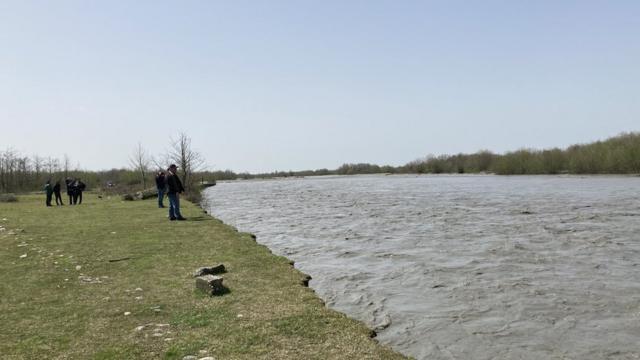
(110, 280)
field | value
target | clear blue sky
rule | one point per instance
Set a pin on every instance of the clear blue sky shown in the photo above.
(266, 85)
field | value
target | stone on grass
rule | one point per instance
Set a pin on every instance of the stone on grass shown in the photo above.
(210, 284)
(190, 357)
(209, 270)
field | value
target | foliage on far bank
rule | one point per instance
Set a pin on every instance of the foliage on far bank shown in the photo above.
(616, 155)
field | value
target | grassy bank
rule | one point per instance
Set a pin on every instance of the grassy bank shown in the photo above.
(62, 297)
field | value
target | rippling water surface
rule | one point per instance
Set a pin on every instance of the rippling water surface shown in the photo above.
(462, 267)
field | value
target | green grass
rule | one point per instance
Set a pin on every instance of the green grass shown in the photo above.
(48, 311)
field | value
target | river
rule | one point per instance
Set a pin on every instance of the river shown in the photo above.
(462, 267)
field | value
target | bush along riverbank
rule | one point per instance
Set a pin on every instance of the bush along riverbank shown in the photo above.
(111, 279)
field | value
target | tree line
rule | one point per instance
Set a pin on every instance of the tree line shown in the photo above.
(616, 155)
(21, 173)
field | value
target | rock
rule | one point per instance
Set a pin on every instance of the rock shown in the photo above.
(210, 284)
(138, 289)
(23, 256)
(140, 328)
(207, 358)
(146, 194)
(385, 323)
(213, 270)
(305, 280)
(127, 313)
(190, 357)
(88, 280)
(78, 267)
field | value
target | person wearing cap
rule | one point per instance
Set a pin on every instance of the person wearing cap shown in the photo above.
(174, 189)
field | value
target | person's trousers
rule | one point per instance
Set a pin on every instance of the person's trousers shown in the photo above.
(58, 199)
(160, 197)
(48, 202)
(174, 205)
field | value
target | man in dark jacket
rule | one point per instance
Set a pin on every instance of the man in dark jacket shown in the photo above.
(161, 185)
(48, 190)
(56, 192)
(69, 184)
(174, 189)
(79, 188)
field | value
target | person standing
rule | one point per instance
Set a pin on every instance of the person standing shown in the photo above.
(69, 184)
(56, 192)
(79, 187)
(48, 189)
(161, 185)
(174, 189)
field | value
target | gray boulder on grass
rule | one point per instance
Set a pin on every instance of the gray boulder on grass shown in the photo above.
(212, 270)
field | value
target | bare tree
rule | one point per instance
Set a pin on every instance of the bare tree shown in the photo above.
(38, 164)
(188, 160)
(66, 164)
(161, 162)
(140, 162)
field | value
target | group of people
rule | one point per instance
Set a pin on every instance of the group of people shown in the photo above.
(170, 184)
(166, 182)
(75, 187)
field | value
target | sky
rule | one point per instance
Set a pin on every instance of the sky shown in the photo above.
(291, 85)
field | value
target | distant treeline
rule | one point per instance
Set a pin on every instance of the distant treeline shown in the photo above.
(617, 155)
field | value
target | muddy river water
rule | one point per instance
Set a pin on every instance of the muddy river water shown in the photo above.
(462, 267)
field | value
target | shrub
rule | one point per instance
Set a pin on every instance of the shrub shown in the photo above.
(7, 198)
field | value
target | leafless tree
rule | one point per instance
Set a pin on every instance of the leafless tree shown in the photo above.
(140, 162)
(38, 164)
(66, 164)
(188, 160)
